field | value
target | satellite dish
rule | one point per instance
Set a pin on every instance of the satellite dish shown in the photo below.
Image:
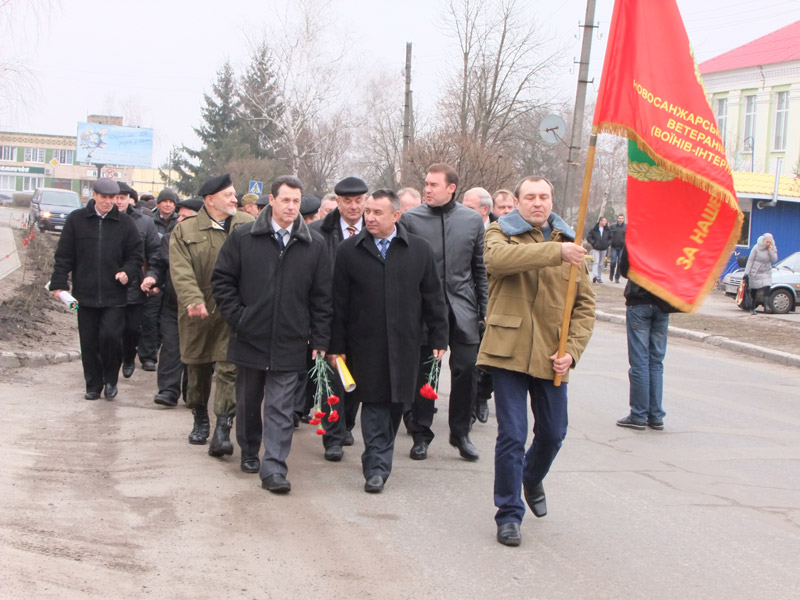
(552, 129)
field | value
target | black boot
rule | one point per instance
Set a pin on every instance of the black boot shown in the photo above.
(201, 427)
(221, 441)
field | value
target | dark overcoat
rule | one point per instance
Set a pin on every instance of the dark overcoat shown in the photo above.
(379, 309)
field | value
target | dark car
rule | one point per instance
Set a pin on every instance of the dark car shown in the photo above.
(50, 207)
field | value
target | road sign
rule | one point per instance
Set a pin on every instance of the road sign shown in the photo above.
(255, 187)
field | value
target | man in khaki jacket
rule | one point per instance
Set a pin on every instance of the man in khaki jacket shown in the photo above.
(528, 254)
(193, 249)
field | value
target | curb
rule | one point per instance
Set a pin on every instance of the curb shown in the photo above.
(784, 358)
(15, 360)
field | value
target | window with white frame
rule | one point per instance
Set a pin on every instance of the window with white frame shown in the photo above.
(65, 157)
(29, 184)
(8, 183)
(722, 117)
(781, 120)
(749, 123)
(34, 155)
(8, 153)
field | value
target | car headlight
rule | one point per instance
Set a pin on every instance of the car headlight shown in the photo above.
(46, 214)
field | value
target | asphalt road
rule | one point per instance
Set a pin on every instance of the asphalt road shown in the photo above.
(107, 500)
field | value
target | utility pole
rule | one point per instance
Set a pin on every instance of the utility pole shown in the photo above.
(407, 108)
(580, 104)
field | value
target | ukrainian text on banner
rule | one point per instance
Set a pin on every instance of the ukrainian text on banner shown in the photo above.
(683, 217)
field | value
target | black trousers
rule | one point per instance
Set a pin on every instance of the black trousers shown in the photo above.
(347, 409)
(462, 393)
(171, 371)
(133, 329)
(149, 339)
(100, 333)
(379, 424)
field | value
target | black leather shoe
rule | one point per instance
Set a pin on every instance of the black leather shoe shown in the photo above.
(127, 369)
(110, 391)
(334, 453)
(221, 441)
(201, 427)
(508, 534)
(296, 420)
(482, 411)
(466, 448)
(276, 483)
(348, 439)
(419, 451)
(251, 465)
(91, 395)
(374, 484)
(534, 496)
(148, 365)
(165, 400)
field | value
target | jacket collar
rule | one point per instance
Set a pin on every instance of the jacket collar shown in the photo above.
(514, 224)
(91, 211)
(263, 226)
(445, 208)
(364, 235)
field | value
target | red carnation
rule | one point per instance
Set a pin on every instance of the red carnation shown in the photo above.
(333, 399)
(427, 391)
(320, 431)
(314, 422)
(319, 414)
(334, 416)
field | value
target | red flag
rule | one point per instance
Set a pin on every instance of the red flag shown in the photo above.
(683, 217)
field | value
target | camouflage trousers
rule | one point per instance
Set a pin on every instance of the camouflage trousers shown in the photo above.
(199, 388)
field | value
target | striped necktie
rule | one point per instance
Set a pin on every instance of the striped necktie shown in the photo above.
(279, 236)
(351, 231)
(383, 246)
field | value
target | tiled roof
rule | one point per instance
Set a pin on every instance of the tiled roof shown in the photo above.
(779, 46)
(763, 184)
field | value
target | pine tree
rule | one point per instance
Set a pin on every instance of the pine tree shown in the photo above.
(260, 105)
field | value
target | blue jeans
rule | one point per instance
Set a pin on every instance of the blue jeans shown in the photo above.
(647, 344)
(616, 255)
(512, 465)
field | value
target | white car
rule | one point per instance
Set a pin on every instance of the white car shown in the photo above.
(785, 290)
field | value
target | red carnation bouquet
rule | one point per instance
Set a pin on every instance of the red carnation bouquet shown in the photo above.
(430, 387)
(323, 392)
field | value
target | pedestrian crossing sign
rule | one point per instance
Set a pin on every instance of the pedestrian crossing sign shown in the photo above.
(256, 187)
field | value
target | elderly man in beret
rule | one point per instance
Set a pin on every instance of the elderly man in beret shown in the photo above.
(343, 222)
(193, 249)
(102, 249)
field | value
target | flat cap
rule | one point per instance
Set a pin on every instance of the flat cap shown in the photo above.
(124, 188)
(106, 187)
(167, 194)
(215, 184)
(249, 199)
(194, 204)
(263, 200)
(309, 205)
(351, 186)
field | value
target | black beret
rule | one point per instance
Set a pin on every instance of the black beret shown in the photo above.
(106, 187)
(309, 205)
(263, 200)
(351, 186)
(166, 194)
(215, 184)
(194, 204)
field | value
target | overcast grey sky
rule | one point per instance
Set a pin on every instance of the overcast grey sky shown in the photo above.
(99, 56)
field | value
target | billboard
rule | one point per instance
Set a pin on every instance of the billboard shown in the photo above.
(114, 145)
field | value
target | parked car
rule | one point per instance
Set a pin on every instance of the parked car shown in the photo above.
(785, 291)
(50, 207)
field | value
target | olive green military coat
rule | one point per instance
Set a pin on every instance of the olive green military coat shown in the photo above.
(527, 292)
(193, 250)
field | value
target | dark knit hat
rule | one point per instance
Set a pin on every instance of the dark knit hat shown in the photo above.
(166, 194)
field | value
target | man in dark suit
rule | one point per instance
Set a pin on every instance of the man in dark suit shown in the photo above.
(385, 285)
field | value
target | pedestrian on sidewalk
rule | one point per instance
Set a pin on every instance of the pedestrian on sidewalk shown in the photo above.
(599, 237)
(647, 322)
(759, 271)
(617, 245)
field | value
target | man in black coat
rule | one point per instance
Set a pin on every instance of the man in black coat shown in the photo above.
(616, 248)
(102, 250)
(455, 233)
(272, 285)
(343, 222)
(599, 237)
(385, 285)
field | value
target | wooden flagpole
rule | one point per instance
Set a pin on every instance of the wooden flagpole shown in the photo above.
(572, 286)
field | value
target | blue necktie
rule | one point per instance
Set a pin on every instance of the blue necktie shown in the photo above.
(383, 246)
(279, 237)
